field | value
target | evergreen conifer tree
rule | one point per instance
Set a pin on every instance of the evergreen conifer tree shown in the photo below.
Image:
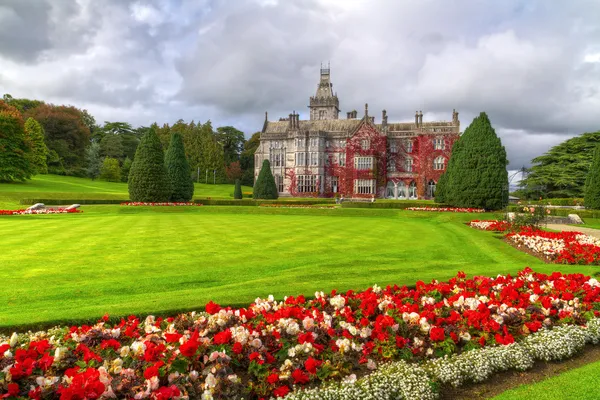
(93, 160)
(265, 187)
(178, 170)
(15, 162)
(476, 174)
(440, 190)
(592, 182)
(237, 193)
(148, 180)
(37, 157)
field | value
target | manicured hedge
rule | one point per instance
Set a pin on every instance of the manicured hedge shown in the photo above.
(63, 202)
(563, 212)
(399, 204)
(570, 201)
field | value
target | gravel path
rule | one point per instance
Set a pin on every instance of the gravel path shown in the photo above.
(576, 228)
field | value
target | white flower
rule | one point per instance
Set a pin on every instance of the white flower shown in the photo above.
(13, 339)
(210, 381)
(371, 364)
(193, 375)
(138, 348)
(124, 351)
(337, 301)
(207, 395)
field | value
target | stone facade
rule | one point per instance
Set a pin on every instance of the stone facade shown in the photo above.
(354, 158)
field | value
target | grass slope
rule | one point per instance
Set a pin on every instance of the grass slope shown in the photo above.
(577, 384)
(122, 260)
(68, 187)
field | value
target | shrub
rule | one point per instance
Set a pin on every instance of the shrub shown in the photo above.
(148, 180)
(110, 171)
(237, 193)
(476, 175)
(178, 171)
(265, 187)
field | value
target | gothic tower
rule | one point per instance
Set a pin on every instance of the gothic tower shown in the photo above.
(325, 104)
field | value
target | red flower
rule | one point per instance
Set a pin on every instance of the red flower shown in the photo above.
(110, 344)
(237, 348)
(436, 334)
(151, 371)
(311, 365)
(212, 308)
(401, 342)
(300, 376)
(306, 338)
(281, 391)
(13, 390)
(222, 337)
(189, 348)
(273, 378)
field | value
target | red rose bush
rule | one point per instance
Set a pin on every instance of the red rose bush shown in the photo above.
(490, 225)
(390, 342)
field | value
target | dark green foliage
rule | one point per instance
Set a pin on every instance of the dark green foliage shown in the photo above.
(237, 193)
(148, 180)
(232, 141)
(476, 174)
(35, 135)
(93, 160)
(14, 147)
(247, 159)
(125, 169)
(178, 171)
(265, 187)
(440, 189)
(111, 145)
(592, 183)
(562, 171)
(110, 171)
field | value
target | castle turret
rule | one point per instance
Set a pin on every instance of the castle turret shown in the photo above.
(325, 104)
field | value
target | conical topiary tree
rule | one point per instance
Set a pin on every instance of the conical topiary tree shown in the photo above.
(148, 180)
(476, 175)
(237, 193)
(592, 182)
(265, 187)
(178, 170)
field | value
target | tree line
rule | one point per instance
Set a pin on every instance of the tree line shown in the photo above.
(65, 140)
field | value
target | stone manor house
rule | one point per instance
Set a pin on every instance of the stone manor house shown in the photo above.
(326, 156)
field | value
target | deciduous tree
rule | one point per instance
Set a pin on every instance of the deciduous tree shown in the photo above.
(38, 156)
(110, 171)
(15, 164)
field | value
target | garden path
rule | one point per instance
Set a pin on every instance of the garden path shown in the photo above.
(571, 228)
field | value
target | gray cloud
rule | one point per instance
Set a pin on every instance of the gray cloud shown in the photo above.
(533, 66)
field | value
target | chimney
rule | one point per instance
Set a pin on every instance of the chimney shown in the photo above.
(421, 118)
(290, 123)
(416, 118)
(354, 113)
(349, 114)
(384, 118)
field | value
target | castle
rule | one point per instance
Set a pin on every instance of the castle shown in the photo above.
(354, 158)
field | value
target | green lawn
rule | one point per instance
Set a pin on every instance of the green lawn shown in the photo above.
(591, 223)
(121, 260)
(577, 384)
(68, 187)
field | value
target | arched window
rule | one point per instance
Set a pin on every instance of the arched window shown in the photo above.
(439, 163)
(431, 189)
(408, 164)
(412, 190)
(389, 190)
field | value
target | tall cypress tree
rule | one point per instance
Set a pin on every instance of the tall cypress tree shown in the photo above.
(592, 182)
(148, 180)
(35, 134)
(440, 189)
(265, 187)
(178, 170)
(15, 149)
(476, 175)
(237, 193)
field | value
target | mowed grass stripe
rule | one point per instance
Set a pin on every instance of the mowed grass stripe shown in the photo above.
(149, 260)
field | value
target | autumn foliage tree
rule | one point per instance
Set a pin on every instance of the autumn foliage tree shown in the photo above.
(148, 180)
(178, 171)
(14, 148)
(233, 171)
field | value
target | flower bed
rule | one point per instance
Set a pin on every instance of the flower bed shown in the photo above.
(447, 209)
(490, 225)
(273, 348)
(561, 247)
(42, 211)
(141, 203)
(319, 206)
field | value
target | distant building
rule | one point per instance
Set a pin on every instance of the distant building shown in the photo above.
(327, 156)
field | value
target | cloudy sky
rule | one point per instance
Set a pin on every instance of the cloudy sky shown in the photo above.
(533, 66)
